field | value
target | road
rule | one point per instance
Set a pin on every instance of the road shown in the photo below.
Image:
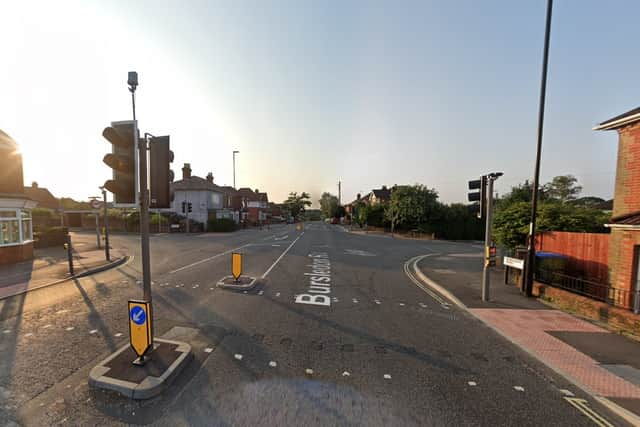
(374, 349)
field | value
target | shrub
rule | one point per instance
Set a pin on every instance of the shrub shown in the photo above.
(54, 236)
(221, 225)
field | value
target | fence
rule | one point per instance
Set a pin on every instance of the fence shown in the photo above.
(614, 296)
(587, 253)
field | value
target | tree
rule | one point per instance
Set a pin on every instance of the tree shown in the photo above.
(296, 204)
(411, 205)
(328, 204)
(563, 188)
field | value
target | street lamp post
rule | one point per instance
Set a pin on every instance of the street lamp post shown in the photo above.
(234, 168)
(531, 248)
(106, 224)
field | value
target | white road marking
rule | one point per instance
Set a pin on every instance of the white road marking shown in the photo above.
(7, 331)
(70, 328)
(282, 255)
(378, 302)
(566, 392)
(207, 259)
(208, 350)
(286, 236)
(244, 292)
(93, 331)
(278, 294)
(119, 334)
(47, 326)
(518, 388)
(472, 383)
(261, 292)
(308, 371)
(583, 406)
(238, 356)
(276, 246)
(411, 277)
(355, 301)
(401, 304)
(61, 311)
(423, 305)
(387, 376)
(334, 299)
(212, 288)
(29, 334)
(273, 364)
(345, 374)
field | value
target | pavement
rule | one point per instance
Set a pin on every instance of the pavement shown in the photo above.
(50, 265)
(338, 330)
(605, 364)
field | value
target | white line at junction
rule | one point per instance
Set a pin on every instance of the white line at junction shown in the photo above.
(282, 255)
(208, 259)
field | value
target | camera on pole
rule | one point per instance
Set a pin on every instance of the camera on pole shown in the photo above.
(123, 160)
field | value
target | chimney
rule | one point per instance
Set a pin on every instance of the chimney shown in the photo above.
(210, 177)
(186, 171)
(384, 187)
(257, 191)
(34, 184)
(358, 196)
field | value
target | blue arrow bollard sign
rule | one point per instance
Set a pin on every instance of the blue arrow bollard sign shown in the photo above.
(138, 315)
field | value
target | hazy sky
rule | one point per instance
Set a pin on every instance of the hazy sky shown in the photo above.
(370, 93)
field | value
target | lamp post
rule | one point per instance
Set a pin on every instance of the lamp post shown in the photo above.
(531, 246)
(234, 168)
(106, 224)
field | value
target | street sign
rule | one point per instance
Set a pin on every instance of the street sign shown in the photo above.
(514, 263)
(95, 204)
(236, 265)
(140, 326)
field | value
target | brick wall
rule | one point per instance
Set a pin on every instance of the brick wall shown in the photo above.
(616, 318)
(16, 253)
(627, 189)
(621, 257)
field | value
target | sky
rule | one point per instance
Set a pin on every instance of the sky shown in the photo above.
(315, 92)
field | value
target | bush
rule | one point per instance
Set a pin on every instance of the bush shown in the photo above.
(224, 225)
(54, 236)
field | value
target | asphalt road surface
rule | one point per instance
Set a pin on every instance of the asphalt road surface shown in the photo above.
(335, 333)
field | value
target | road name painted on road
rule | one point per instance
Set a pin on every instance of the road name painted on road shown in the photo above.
(319, 281)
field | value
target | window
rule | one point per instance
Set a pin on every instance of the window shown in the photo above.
(15, 226)
(27, 230)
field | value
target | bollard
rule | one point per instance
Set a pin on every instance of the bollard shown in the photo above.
(69, 249)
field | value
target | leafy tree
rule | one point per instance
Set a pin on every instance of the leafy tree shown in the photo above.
(328, 204)
(411, 205)
(563, 188)
(296, 204)
(376, 215)
(588, 202)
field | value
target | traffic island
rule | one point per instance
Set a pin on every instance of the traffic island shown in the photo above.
(118, 373)
(242, 283)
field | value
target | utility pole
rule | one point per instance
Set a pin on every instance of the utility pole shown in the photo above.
(531, 247)
(339, 193)
(234, 168)
(106, 224)
(486, 278)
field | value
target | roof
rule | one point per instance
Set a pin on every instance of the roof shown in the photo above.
(251, 195)
(382, 193)
(6, 141)
(195, 183)
(632, 218)
(41, 195)
(624, 119)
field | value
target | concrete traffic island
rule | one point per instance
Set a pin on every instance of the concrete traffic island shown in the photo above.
(118, 373)
(244, 283)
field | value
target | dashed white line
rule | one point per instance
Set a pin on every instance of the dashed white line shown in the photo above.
(93, 331)
(518, 388)
(346, 374)
(208, 350)
(70, 328)
(472, 383)
(387, 376)
(208, 259)
(423, 305)
(566, 392)
(308, 371)
(47, 326)
(355, 301)
(278, 294)
(401, 304)
(282, 255)
(378, 302)
(273, 364)
(238, 356)
(29, 334)
(6, 331)
(119, 334)
(261, 292)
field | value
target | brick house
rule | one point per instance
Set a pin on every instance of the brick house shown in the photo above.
(43, 196)
(255, 205)
(624, 244)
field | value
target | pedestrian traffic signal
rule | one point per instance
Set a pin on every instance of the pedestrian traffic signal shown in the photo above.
(123, 160)
(189, 206)
(479, 196)
(161, 176)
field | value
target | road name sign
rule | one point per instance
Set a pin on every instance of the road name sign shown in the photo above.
(514, 262)
(140, 336)
(95, 204)
(236, 265)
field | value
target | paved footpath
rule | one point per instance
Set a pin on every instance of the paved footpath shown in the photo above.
(605, 364)
(50, 265)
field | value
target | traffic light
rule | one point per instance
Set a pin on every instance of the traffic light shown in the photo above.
(184, 204)
(189, 205)
(479, 196)
(123, 159)
(161, 176)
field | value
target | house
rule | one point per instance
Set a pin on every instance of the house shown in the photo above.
(16, 231)
(206, 198)
(624, 243)
(42, 196)
(255, 205)
(381, 195)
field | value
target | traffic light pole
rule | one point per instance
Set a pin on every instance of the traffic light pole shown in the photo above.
(106, 225)
(486, 278)
(144, 218)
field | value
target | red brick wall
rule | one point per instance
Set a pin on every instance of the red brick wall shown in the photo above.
(588, 252)
(17, 253)
(627, 190)
(621, 257)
